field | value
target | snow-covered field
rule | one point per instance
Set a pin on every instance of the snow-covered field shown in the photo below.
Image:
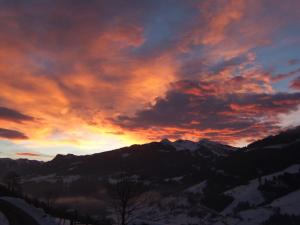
(289, 204)
(3, 219)
(250, 193)
(38, 214)
(198, 188)
(52, 178)
(179, 209)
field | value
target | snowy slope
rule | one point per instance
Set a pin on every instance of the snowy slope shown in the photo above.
(52, 178)
(38, 214)
(244, 193)
(289, 204)
(214, 147)
(247, 217)
(250, 193)
(197, 189)
(171, 210)
(3, 219)
(180, 145)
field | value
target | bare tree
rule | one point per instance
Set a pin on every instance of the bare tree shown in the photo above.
(49, 196)
(126, 199)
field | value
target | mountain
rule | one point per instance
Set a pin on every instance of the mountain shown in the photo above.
(170, 158)
(202, 182)
(286, 137)
(21, 166)
(201, 147)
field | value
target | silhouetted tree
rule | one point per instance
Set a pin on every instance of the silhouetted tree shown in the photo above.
(126, 199)
(50, 198)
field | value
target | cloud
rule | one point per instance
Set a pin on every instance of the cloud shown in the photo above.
(295, 84)
(293, 62)
(13, 115)
(115, 59)
(28, 154)
(12, 134)
(224, 117)
(221, 19)
(283, 76)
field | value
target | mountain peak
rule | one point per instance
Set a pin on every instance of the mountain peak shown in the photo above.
(207, 141)
(214, 147)
(165, 141)
(61, 156)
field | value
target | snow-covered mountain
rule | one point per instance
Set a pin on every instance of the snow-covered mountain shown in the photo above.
(194, 182)
(201, 146)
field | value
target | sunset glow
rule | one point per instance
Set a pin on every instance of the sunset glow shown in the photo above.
(88, 76)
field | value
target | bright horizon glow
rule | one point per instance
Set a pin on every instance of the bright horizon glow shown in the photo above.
(110, 74)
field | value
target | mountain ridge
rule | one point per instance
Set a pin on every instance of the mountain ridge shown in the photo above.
(282, 136)
(196, 174)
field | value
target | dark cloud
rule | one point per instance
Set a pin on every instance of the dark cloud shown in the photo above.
(295, 84)
(79, 62)
(58, 22)
(294, 62)
(13, 115)
(243, 113)
(198, 66)
(11, 134)
(238, 60)
(283, 76)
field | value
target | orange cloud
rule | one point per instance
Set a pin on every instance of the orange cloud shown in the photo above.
(70, 75)
(228, 13)
(28, 154)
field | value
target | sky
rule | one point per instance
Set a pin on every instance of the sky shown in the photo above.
(88, 76)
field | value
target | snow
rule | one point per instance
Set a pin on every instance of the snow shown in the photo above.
(255, 216)
(247, 217)
(168, 210)
(52, 178)
(244, 193)
(177, 179)
(197, 189)
(185, 145)
(114, 180)
(47, 178)
(38, 214)
(289, 204)
(3, 219)
(70, 179)
(181, 145)
(292, 169)
(250, 193)
(214, 147)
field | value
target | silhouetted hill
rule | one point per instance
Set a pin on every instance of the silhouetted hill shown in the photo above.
(211, 178)
(286, 137)
(22, 166)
